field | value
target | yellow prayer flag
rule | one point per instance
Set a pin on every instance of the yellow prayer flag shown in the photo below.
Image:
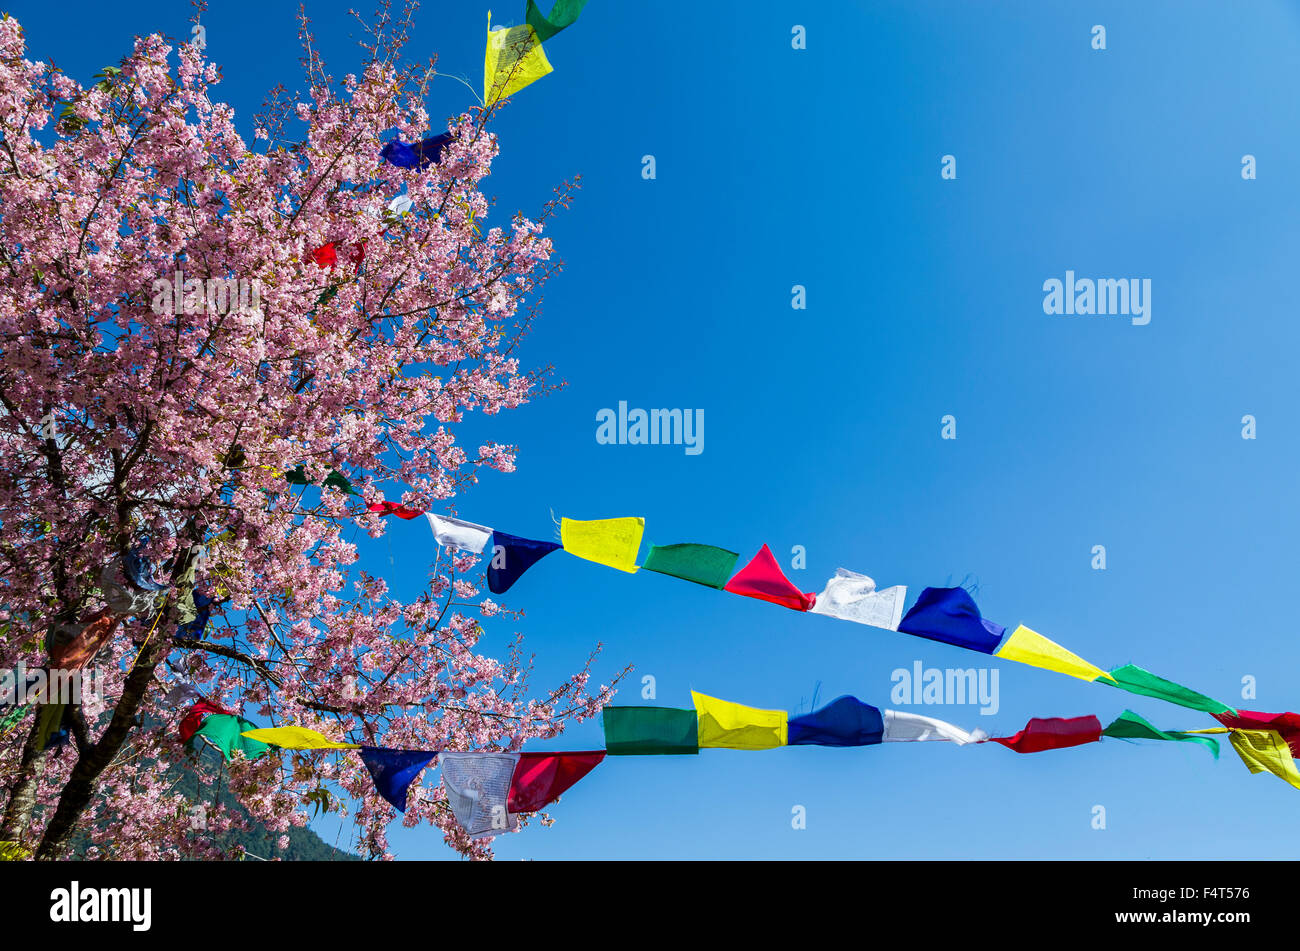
(1264, 750)
(514, 58)
(606, 541)
(734, 726)
(1029, 647)
(297, 738)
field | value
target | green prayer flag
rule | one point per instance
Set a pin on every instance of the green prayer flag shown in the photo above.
(12, 717)
(648, 731)
(1129, 726)
(563, 13)
(224, 730)
(1139, 681)
(298, 476)
(702, 564)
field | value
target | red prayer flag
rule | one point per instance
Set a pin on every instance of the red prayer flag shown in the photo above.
(325, 255)
(1053, 733)
(762, 579)
(540, 778)
(76, 653)
(357, 252)
(1287, 724)
(196, 715)
(393, 508)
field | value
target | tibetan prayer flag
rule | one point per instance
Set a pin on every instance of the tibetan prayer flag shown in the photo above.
(762, 579)
(845, 721)
(1287, 724)
(418, 155)
(901, 727)
(298, 476)
(733, 726)
(949, 615)
(202, 614)
(514, 58)
(75, 651)
(1136, 680)
(13, 716)
(456, 533)
(1264, 750)
(613, 542)
(702, 564)
(297, 738)
(1129, 726)
(478, 789)
(563, 13)
(393, 508)
(1052, 733)
(325, 255)
(541, 778)
(650, 731)
(393, 771)
(11, 851)
(225, 732)
(195, 716)
(511, 557)
(141, 571)
(1029, 647)
(183, 692)
(400, 205)
(851, 596)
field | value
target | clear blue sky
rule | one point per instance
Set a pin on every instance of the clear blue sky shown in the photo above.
(822, 427)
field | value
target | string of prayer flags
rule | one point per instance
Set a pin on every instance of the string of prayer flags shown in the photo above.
(563, 13)
(851, 596)
(514, 58)
(478, 790)
(226, 733)
(195, 716)
(1129, 726)
(393, 771)
(735, 726)
(394, 508)
(1052, 733)
(417, 155)
(541, 778)
(1029, 647)
(702, 564)
(1266, 750)
(457, 533)
(1139, 681)
(613, 542)
(511, 557)
(297, 738)
(762, 579)
(1287, 725)
(902, 727)
(845, 721)
(949, 615)
(650, 731)
(336, 479)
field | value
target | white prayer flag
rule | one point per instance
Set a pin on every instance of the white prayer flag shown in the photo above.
(183, 693)
(455, 533)
(400, 205)
(478, 788)
(903, 727)
(853, 597)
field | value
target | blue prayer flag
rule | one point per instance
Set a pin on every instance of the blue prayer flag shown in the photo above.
(141, 570)
(845, 721)
(202, 613)
(418, 155)
(394, 770)
(511, 557)
(950, 615)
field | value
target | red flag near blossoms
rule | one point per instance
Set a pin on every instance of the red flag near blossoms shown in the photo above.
(393, 508)
(196, 715)
(1286, 724)
(75, 652)
(1053, 733)
(541, 778)
(762, 579)
(327, 254)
